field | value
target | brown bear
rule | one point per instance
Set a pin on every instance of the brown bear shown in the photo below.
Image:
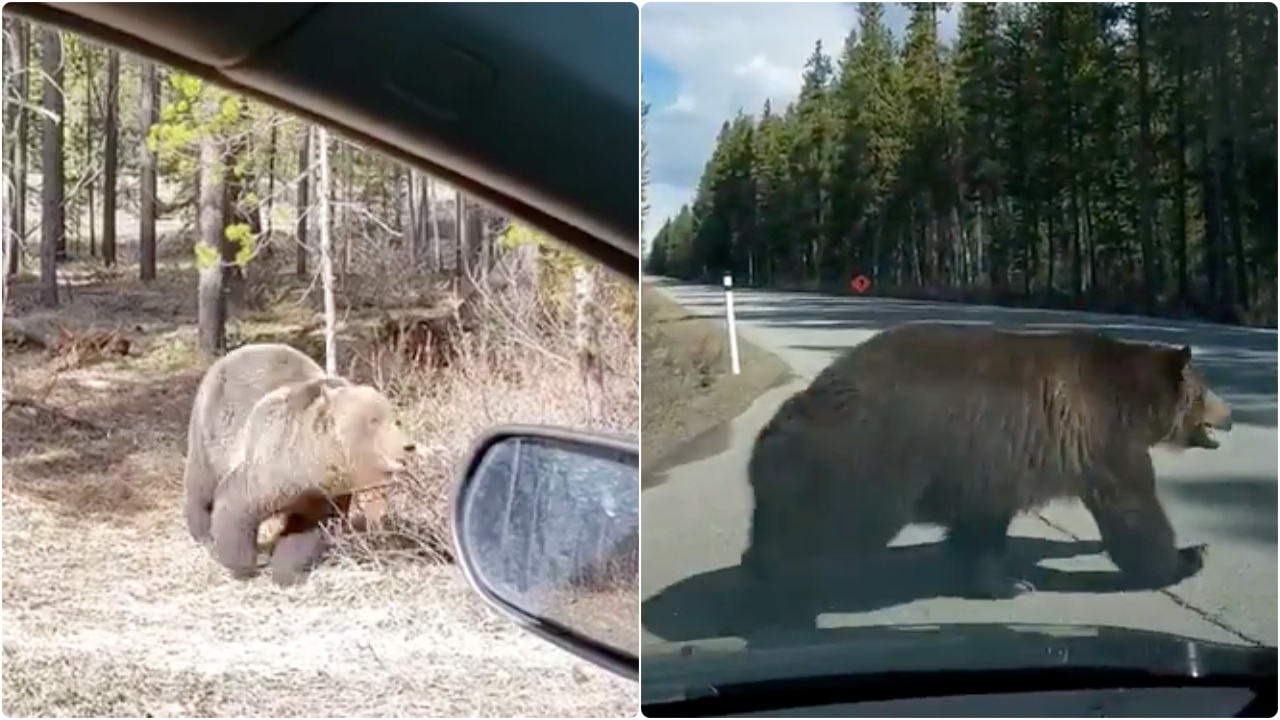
(965, 427)
(227, 393)
(227, 396)
(300, 446)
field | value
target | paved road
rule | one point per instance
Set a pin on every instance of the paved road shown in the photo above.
(694, 515)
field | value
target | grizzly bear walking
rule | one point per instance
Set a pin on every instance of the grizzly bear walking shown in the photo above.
(966, 427)
(227, 393)
(273, 438)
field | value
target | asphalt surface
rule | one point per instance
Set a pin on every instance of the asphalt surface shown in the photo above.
(695, 514)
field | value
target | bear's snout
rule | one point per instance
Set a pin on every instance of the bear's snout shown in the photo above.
(1217, 413)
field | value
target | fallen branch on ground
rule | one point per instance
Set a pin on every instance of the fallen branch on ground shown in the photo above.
(11, 402)
(61, 342)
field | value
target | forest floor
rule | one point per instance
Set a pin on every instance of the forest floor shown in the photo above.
(688, 386)
(110, 609)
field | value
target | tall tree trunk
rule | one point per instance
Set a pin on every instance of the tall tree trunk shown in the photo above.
(304, 201)
(1229, 87)
(110, 158)
(237, 208)
(415, 231)
(6, 182)
(52, 218)
(401, 206)
(426, 232)
(1213, 180)
(1146, 201)
(6, 202)
(460, 234)
(587, 339)
(1181, 141)
(271, 177)
(211, 250)
(335, 214)
(19, 57)
(147, 180)
(90, 156)
(436, 240)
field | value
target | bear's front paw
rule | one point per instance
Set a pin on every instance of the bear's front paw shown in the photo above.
(236, 549)
(295, 555)
(1173, 568)
(1190, 561)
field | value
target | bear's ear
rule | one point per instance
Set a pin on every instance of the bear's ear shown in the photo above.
(311, 391)
(1178, 360)
(328, 392)
(1182, 357)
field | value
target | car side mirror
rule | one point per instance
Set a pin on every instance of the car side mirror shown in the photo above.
(546, 528)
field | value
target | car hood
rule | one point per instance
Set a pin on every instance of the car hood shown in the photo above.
(694, 671)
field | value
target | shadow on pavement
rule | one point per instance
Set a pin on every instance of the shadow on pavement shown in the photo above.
(715, 603)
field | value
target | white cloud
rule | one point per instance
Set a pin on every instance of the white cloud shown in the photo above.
(728, 56)
(685, 104)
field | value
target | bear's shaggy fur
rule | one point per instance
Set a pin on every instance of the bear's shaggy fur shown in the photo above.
(227, 393)
(300, 446)
(966, 427)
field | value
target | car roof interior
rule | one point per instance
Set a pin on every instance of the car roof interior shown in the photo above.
(530, 107)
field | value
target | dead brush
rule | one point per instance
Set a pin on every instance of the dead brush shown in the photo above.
(90, 346)
(68, 348)
(513, 368)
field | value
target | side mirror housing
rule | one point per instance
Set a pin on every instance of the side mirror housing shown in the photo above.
(546, 528)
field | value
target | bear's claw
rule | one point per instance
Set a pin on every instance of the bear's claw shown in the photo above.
(1191, 560)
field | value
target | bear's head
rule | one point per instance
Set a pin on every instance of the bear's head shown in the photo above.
(364, 423)
(1196, 410)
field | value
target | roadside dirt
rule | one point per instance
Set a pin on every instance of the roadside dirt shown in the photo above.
(110, 609)
(688, 388)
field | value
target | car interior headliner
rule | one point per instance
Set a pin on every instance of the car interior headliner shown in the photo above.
(530, 107)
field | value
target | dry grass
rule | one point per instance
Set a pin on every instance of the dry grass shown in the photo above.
(688, 387)
(111, 610)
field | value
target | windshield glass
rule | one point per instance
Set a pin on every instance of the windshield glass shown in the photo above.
(1099, 178)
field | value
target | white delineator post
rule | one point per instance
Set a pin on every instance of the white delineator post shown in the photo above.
(733, 326)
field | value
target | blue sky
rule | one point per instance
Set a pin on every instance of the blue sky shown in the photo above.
(702, 61)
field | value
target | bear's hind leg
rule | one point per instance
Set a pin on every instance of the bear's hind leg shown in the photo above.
(977, 545)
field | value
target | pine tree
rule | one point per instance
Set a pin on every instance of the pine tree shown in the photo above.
(1118, 156)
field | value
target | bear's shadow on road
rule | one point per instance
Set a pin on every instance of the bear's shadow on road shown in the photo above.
(715, 604)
